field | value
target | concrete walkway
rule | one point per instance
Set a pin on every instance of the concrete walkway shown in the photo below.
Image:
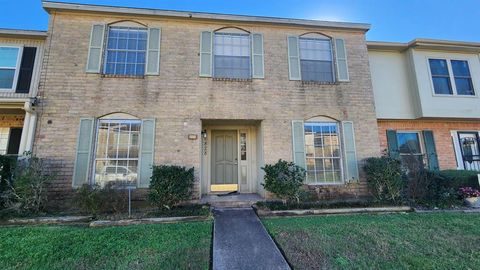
(241, 242)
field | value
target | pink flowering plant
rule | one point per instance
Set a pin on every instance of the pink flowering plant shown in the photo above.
(468, 192)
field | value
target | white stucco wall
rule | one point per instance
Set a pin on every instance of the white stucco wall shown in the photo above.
(391, 85)
(433, 105)
(403, 86)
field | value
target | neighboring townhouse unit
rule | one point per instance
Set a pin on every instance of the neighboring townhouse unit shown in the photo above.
(20, 64)
(427, 101)
(126, 88)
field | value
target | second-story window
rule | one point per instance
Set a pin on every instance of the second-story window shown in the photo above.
(463, 80)
(451, 77)
(440, 76)
(231, 56)
(316, 61)
(126, 51)
(9, 57)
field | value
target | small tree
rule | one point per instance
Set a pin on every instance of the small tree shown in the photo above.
(170, 185)
(384, 177)
(284, 179)
(27, 191)
(7, 167)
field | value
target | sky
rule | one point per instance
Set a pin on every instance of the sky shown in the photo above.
(391, 20)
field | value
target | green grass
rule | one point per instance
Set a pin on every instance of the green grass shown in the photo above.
(397, 241)
(160, 246)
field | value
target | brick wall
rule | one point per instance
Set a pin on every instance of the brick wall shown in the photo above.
(10, 120)
(441, 133)
(179, 99)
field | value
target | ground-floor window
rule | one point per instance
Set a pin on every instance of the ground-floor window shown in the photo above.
(411, 149)
(467, 146)
(116, 151)
(323, 155)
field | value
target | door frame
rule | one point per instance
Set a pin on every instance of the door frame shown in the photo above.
(206, 153)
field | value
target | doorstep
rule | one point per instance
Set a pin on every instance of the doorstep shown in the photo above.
(236, 200)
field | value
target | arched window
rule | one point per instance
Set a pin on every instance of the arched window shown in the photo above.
(117, 150)
(316, 58)
(323, 153)
(232, 53)
(126, 49)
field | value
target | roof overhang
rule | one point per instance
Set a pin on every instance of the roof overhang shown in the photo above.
(26, 34)
(426, 44)
(71, 7)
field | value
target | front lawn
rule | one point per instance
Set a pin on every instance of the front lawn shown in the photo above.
(397, 241)
(160, 246)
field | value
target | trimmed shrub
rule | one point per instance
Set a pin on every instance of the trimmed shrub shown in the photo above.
(427, 188)
(384, 178)
(306, 196)
(460, 178)
(284, 179)
(424, 187)
(94, 200)
(170, 185)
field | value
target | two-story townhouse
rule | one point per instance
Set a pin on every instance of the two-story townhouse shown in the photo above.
(20, 64)
(427, 97)
(125, 88)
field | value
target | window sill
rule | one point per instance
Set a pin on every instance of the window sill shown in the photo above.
(122, 76)
(326, 184)
(231, 79)
(318, 83)
(455, 96)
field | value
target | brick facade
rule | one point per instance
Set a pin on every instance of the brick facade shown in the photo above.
(11, 120)
(441, 132)
(179, 99)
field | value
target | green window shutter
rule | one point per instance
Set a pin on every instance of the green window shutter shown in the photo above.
(153, 52)
(431, 150)
(293, 59)
(147, 145)
(351, 163)
(84, 152)
(257, 56)
(298, 143)
(206, 54)
(341, 56)
(95, 48)
(392, 142)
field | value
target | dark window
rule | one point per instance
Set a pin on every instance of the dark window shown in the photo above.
(440, 76)
(463, 79)
(410, 148)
